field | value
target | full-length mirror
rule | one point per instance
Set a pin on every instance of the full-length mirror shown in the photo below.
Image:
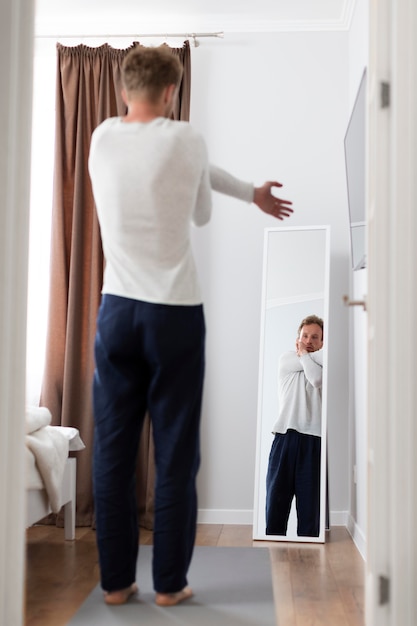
(291, 473)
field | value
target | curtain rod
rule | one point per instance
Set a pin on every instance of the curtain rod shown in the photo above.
(193, 36)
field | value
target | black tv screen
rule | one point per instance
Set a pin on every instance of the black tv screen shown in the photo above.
(355, 155)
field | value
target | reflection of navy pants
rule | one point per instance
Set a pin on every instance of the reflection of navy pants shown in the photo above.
(293, 471)
(148, 357)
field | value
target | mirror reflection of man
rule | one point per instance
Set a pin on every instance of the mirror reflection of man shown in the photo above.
(294, 460)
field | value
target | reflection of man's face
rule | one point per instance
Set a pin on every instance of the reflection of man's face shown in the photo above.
(311, 336)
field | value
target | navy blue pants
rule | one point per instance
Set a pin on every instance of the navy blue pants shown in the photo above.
(149, 357)
(293, 471)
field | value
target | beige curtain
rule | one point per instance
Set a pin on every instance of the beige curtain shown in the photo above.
(88, 86)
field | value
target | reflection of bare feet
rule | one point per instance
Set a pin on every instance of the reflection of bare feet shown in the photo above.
(121, 595)
(171, 599)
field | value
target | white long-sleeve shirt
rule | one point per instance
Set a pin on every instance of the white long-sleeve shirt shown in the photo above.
(299, 391)
(150, 182)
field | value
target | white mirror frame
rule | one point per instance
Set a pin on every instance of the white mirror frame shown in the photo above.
(282, 288)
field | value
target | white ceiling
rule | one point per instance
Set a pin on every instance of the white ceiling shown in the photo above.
(192, 15)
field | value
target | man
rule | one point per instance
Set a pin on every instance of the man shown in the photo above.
(294, 461)
(151, 179)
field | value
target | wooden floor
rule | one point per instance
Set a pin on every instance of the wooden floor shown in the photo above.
(314, 584)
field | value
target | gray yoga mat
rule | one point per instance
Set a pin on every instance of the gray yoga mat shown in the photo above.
(232, 587)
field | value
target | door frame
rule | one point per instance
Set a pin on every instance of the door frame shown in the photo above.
(391, 568)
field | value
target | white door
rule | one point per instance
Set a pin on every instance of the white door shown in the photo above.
(391, 594)
(16, 53)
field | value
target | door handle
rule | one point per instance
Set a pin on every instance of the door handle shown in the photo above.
(349, 302)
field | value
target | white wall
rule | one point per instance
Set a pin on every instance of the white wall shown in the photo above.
(358, 60)
(358, 47)
(359, 422)
(271, 106)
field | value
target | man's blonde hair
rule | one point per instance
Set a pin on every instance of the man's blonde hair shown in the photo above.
(149, 70)
(312, 319)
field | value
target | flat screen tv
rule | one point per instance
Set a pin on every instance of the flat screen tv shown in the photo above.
(355, 176)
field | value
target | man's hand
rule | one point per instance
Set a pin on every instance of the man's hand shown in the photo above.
(300, 348)
(270, 204)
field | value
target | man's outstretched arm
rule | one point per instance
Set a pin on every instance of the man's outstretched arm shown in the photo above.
(225, 183)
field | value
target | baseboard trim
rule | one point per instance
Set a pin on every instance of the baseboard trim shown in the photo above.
(245, 517)
(339, 518)
(358, 536)
(225, 516)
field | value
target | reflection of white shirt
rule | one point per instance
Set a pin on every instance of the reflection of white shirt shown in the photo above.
(299, 391)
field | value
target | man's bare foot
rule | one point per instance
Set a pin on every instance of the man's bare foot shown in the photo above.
(171, 599)
(121, 596)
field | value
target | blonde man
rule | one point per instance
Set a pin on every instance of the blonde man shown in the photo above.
(151, 179)
(294, 460)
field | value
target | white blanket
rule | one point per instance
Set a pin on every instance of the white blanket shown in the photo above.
(50, 446)
(37, 417)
